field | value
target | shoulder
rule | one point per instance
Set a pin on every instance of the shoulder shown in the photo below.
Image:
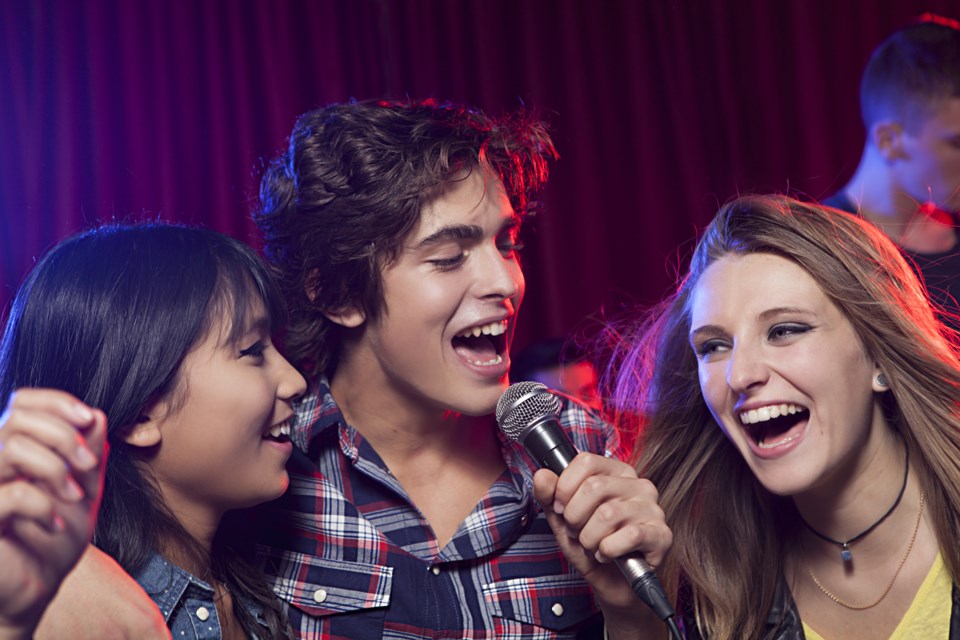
(165, 583)
(587, 428)
(98, 599)
(839, 200)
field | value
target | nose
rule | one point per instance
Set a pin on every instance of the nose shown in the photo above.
(746, 368)
(291, 383)
(501, 276)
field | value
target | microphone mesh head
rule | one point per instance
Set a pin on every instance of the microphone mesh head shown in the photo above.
(522, 404)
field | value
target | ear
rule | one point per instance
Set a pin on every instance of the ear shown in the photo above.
(887, 137)
(146, 431)
(350, 317)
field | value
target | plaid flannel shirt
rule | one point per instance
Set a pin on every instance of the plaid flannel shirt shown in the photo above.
(353, 558)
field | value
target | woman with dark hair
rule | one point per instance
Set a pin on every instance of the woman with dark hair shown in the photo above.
(167, 330)
(801, 418)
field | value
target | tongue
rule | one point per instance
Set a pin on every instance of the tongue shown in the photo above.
(475, 349)
(780, 430)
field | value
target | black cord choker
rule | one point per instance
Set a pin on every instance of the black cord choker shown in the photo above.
(845, 553)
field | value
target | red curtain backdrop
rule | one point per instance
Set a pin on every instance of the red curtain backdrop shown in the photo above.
(661, 109)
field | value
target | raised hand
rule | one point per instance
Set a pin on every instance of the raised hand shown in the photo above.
(599, 510)
(52, 457)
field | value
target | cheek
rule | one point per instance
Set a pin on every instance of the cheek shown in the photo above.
(521, 282)
(709, 386)
(713, 389)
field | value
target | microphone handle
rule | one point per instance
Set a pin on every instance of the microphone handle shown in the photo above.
(551, 448)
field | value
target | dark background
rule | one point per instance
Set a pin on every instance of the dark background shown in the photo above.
(661, 110)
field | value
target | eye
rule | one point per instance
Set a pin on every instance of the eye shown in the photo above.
(445, 264)
(255, 350)
(708, 348)
(507, 242)
(784, 331)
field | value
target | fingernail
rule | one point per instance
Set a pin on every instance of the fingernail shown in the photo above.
(558, 507)
(84, 459)
(82, 413)
(72, 491)
(58, 524)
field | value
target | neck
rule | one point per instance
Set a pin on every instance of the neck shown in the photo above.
(403, 430)
(875, 191)
(848, 506)
(193, 555)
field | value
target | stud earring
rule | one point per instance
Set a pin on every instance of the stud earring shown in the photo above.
(882, 381)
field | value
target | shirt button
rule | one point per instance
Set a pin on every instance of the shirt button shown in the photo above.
(203, 613)
(319, 595)
(435, 569)
(557, 609)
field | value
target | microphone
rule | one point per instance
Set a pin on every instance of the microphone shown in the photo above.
(528, 413)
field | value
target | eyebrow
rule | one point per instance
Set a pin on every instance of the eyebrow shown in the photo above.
(455, 232)
(767, 315)
(256, 324)
(463, 232)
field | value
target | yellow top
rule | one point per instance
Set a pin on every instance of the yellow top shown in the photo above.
(929, 613)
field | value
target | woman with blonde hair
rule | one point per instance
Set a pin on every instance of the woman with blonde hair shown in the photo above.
(800, 421)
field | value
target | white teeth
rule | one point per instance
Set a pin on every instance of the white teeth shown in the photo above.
(282, 429)
(489, 363)
(491, 329)
(753, 416)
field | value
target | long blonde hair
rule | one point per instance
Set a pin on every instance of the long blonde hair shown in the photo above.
(729, 532)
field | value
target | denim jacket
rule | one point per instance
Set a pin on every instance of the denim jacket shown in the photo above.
(185, 601)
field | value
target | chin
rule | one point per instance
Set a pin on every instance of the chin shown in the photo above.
(480, 404)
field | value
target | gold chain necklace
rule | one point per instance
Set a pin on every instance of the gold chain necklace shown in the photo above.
(903, 560)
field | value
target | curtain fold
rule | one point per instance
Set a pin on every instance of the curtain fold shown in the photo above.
(662, 110)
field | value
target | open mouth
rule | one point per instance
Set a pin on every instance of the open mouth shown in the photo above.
(774, 425)
(279, 432)
(484, 344)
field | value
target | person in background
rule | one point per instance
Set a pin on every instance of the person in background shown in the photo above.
(561, 365)
(167, 331)
(52, 456)
(801, 408)
(394, 229)
(908, 179)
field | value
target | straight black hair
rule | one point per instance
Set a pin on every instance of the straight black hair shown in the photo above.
(109, 316)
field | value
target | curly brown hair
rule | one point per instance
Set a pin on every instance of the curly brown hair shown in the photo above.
(336, 207)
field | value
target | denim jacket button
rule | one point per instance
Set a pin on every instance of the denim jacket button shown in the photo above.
(203, 613)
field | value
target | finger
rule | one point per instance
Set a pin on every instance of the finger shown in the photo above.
(91, 480)
(24, 456)
(50, 418)
(584, 466)
(634, 495)
(544, 487)
(568, 543)
(54, 401)
(23, 500)
(652, 540)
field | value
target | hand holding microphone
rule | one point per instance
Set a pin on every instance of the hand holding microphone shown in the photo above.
(610, 511)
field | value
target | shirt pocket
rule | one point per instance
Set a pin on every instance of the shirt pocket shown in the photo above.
(318, 589)
(556, 603)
